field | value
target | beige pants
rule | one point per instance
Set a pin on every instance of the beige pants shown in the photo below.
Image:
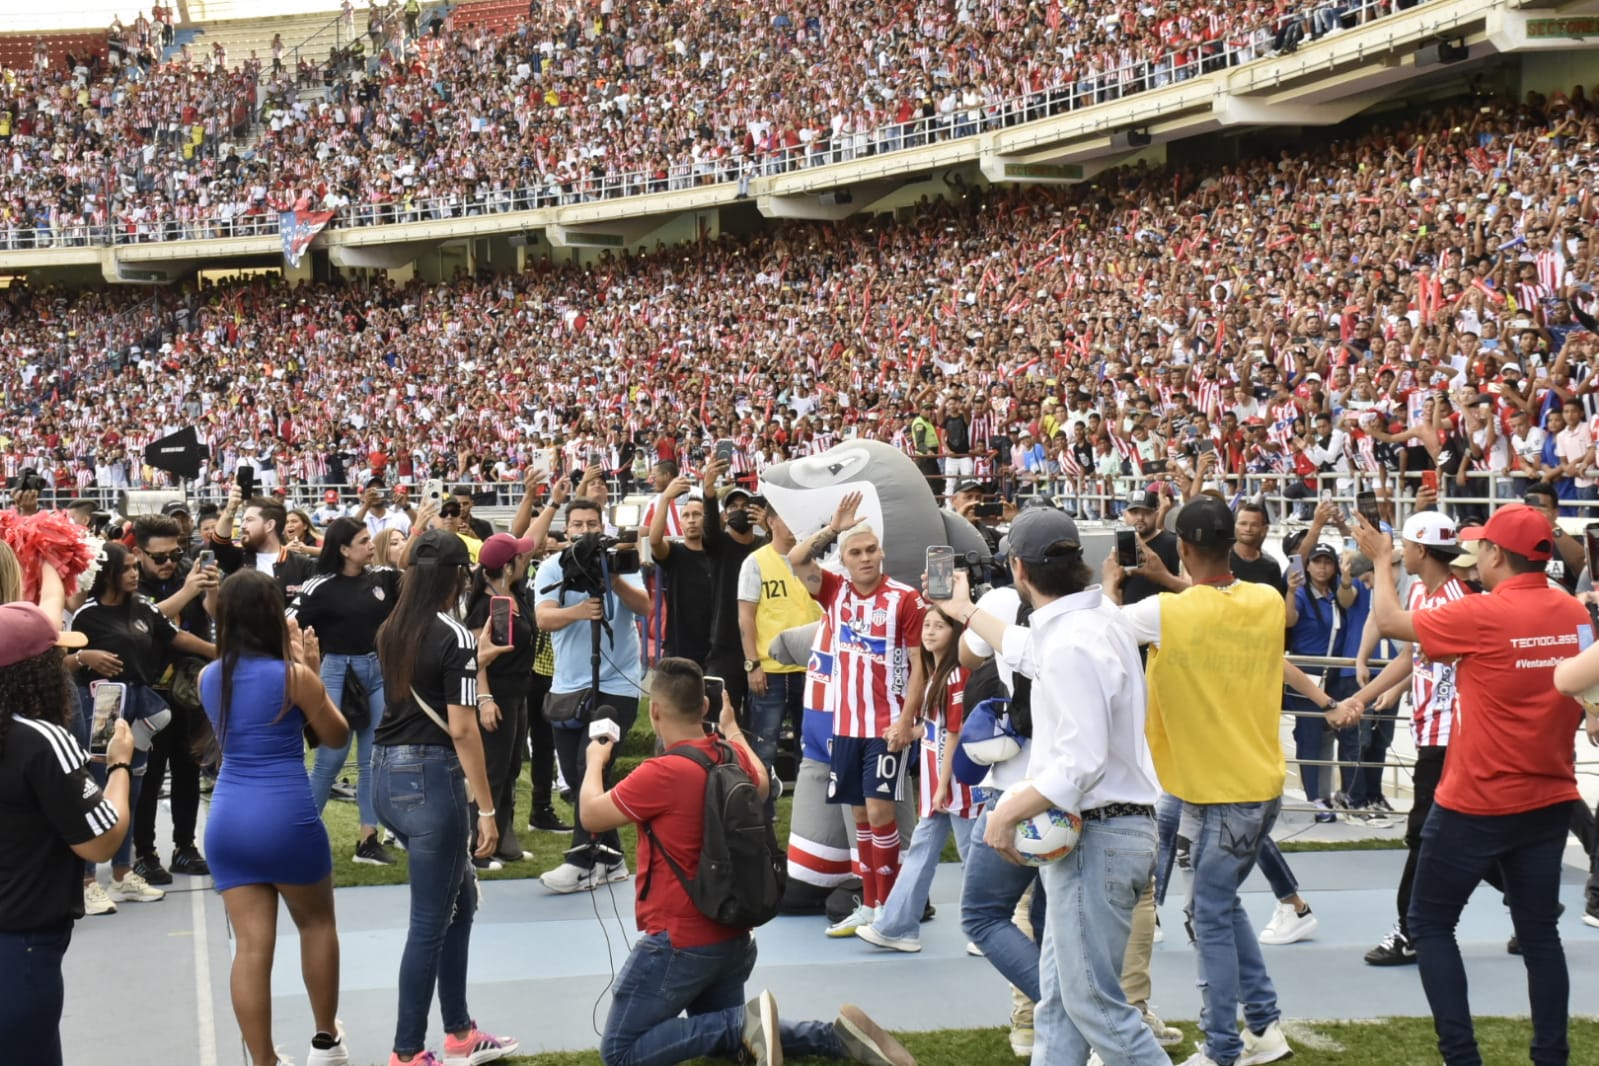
(1135, 964)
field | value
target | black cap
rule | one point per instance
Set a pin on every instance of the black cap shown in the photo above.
(1322, 551)
(82, 503)
(440, 547)
(1040, 534)
(177, 507)
(967, 486)
(1205, 522)
(1144, 499)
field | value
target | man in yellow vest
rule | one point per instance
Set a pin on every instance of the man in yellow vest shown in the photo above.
(1215, 679)
(770, 600)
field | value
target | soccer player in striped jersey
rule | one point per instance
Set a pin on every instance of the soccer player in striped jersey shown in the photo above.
(875, 693)
(1431, 544)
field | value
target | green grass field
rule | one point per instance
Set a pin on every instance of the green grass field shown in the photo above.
(1378, 1042)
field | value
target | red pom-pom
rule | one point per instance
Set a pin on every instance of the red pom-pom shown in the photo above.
(47, 538)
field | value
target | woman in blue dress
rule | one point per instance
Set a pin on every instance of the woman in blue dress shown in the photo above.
(265, 839)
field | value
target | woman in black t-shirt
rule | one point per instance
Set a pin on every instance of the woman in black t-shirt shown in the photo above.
(344, 604)
(503, 706)
(429, 749)
(53, 818)
(128, 643)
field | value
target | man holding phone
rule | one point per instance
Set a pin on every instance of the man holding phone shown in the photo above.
(260, 544)
(1144, 581)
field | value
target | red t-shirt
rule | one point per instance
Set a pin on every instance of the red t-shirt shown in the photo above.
(669, 794)
(1512, 746)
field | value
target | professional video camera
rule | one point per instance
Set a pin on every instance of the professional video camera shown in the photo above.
(30, 480)
(588, 563)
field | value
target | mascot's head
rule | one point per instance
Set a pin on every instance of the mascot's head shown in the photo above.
(895, 498)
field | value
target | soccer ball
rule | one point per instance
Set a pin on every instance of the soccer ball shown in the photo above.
(1046, 837)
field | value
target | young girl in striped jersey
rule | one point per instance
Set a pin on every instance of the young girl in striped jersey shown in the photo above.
(946, 805)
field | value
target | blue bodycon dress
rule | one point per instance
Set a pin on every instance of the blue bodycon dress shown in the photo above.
(263, 827)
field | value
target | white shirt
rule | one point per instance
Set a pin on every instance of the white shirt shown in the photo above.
(393, 518)
(1003, 603)
(1088, 748)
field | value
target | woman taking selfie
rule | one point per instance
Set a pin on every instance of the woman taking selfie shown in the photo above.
(345, 603)
(264, 835)
(128, 644)
(56, 819)
(429, 752)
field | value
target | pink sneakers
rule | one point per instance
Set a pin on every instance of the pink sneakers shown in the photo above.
(477, 1048)
(423, 1058)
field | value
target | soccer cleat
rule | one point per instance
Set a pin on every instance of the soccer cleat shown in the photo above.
(371, 852)
(149, 867)
(1395, 950)
(134, 889)
(477, 1047)
(860, 917)
(1289, 926)
(188, 861)
(96, 901)
(870, 934)
(1165, 1035)
(867, 1042)
(1261, 1048)
(567, 878)
(762, 1040)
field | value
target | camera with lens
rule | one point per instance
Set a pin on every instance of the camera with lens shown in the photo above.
(590, 560)
(30, 480)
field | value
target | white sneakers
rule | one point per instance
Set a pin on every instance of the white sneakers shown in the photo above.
(870, 934)
(135, 889)
(851, 924)
(567, 878)
(1269, 1046)
(1288, 925)
(95, 900)
(337, 1055)
(1165, 1035)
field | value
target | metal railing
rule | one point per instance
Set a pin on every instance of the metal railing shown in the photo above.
(560, 189)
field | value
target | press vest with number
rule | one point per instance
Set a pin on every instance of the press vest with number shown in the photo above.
(1215, 694)
(784, 604)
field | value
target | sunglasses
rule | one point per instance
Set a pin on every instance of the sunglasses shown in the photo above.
(162, 558)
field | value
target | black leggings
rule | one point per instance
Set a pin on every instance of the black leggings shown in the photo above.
(171, 750)
(570, 745)
(540, 742)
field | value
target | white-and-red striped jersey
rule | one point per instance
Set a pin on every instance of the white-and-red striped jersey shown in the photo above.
(874, 637)
(943, 725)
(1432, 685)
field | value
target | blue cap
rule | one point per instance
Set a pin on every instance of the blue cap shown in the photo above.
(987, 737)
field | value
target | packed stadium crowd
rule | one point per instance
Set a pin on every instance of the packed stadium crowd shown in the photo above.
(1348, 313)
(574, 102)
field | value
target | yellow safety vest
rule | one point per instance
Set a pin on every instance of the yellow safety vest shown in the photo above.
(1216, 694)
(785, 603)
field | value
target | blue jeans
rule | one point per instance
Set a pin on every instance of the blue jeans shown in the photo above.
(659, 984)
(1273, 866)
(1376, 733)
(32, 991)
(1226, 840)
(902, 914)
(990, 889)
(329, 761)
(1091, 893)
(783, 698)
(1457, 851)
(420, 793)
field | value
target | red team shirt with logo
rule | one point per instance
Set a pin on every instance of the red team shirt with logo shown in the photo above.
(873, 638)
(943, 726)
(1432, 685)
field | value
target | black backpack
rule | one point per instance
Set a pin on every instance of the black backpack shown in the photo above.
(743, 871)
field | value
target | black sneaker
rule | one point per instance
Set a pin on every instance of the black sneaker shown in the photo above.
(1513, 945)
(1395, 950)
(545, 820)
(371, 852)
(928, 911)
(1185, 859)
(566, 796)
(342, 790)
(149, 867)
(189, 861)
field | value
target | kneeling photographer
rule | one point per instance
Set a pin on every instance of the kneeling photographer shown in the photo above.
(680, 994)
(589, 599)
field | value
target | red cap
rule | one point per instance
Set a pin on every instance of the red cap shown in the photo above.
(402, 490)
(1516, 528)
(332, 495)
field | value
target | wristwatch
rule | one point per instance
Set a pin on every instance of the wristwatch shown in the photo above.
(1330, 705)
(750, 666)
